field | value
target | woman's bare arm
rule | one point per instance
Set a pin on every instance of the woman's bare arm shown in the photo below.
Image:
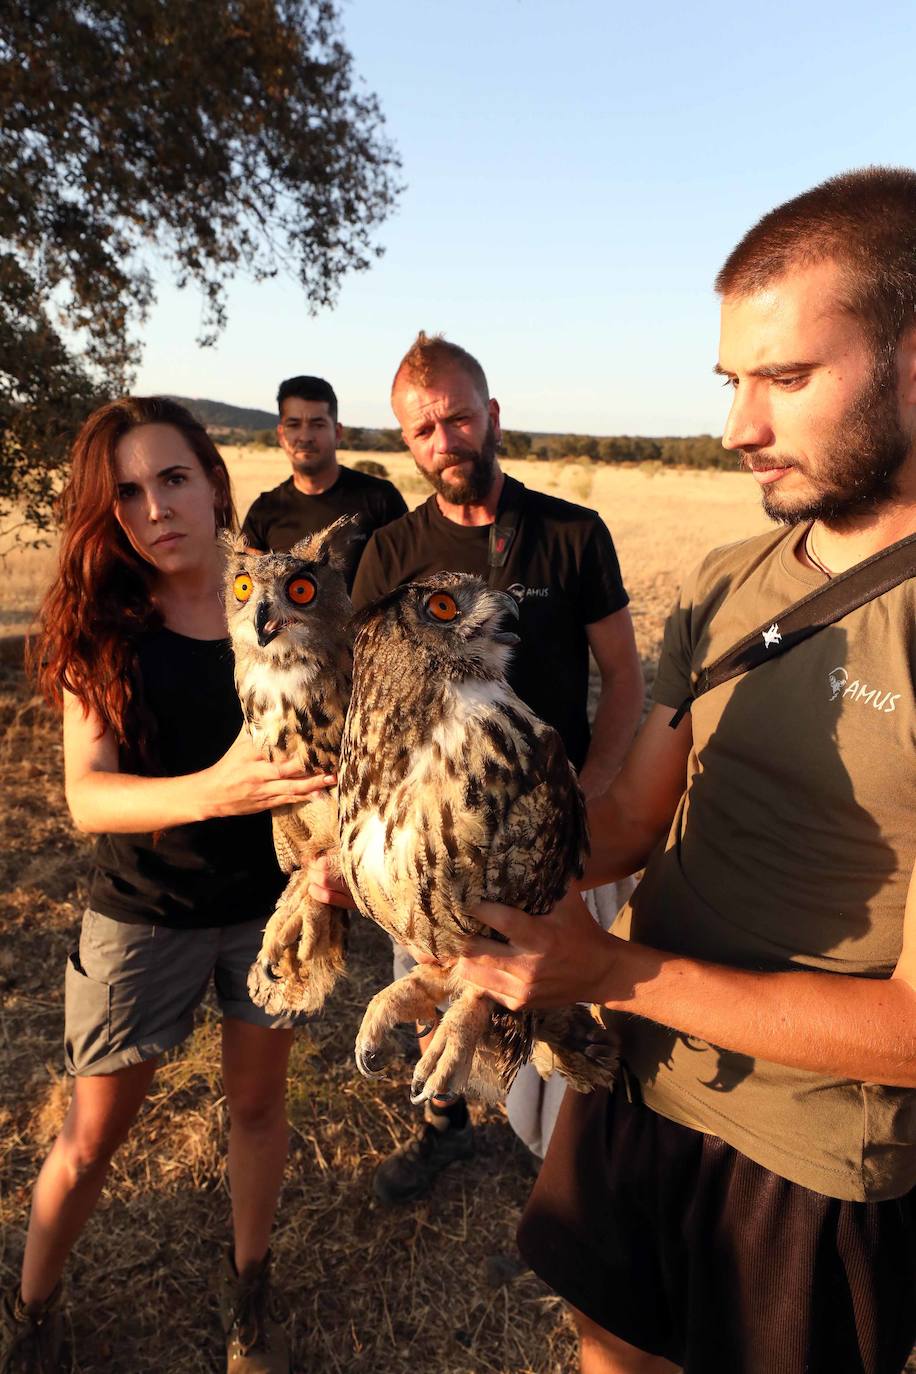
(101, 798)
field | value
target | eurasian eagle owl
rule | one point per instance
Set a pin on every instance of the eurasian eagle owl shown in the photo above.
(289, 617)
(452, 792)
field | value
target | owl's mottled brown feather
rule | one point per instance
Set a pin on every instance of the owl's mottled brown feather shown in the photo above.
(292, 670)
(451, 792)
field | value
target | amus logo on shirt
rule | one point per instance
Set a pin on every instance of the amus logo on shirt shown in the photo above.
(521, 593)
(842, 687)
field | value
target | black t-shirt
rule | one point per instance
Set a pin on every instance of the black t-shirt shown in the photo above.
(280, 518)
(561, 568)
(215, 872)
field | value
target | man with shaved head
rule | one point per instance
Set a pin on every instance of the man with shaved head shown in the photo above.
(743, 1202)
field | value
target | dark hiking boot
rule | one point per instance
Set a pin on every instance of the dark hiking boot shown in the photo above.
(410, 1171)
(31, 1335)
(252, 1317)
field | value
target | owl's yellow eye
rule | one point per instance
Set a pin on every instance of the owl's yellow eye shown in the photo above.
(441, 606)
(242, 586)
(301, 590)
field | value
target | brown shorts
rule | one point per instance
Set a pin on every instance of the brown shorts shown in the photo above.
(131, 990)
(676, 1243)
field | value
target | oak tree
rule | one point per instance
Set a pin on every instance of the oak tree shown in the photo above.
(225, 136)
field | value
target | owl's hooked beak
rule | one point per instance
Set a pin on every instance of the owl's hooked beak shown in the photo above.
(510, 607)
(267, 629)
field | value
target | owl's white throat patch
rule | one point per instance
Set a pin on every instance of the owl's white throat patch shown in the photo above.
(494, 657)
(464, 702)
(272, 681)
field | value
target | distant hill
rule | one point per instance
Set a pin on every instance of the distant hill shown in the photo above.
(221, 415)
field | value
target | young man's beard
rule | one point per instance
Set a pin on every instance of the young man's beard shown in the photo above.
(308, 462)
(474, 488)
(859, 466)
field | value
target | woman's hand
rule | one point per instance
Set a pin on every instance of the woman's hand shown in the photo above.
(550, 961)
(326, 885)
(244, 781)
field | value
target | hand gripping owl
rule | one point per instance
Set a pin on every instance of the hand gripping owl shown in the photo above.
(453, 792)
(289, 617)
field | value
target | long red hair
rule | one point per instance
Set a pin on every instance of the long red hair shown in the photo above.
(101, 600)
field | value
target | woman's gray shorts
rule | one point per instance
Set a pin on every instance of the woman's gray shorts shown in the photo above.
(131, 990)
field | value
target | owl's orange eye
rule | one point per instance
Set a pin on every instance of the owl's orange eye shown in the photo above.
(243, 587)
(301, 590)
(441, 606)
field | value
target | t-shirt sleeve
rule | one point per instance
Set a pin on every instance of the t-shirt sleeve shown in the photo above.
(673, 682)
(254, 526)
(372, 576)
(601, 586)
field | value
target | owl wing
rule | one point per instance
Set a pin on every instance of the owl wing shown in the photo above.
(542, 843)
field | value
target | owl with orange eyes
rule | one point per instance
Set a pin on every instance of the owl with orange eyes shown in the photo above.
(289, 621)
(452, 792)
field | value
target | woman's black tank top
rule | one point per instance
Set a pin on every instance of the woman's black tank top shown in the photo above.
(209, 873)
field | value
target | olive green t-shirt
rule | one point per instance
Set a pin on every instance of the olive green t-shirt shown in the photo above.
(792, 848)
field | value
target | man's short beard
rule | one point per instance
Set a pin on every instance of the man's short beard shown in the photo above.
(860, 464)
(475, 487)
(307, 463)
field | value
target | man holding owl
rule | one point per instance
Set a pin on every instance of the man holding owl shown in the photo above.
(745, 1200)
(558, 561)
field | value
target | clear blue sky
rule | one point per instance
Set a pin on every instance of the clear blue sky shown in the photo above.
(575, 175)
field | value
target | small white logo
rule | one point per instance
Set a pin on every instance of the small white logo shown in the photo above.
(520, 592)
(772, 636)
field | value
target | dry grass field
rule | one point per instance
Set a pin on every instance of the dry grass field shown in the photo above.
(434, 1287)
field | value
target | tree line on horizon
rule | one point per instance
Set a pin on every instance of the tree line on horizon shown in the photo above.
(689, 451)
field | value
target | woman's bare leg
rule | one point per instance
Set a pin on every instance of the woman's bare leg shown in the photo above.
(254, 1076)
(101, 1112)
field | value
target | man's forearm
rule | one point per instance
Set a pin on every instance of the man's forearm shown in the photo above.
(834, 1024)
(613, 730)
(621, 839)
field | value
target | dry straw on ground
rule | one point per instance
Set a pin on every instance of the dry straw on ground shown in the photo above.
(436, 1287)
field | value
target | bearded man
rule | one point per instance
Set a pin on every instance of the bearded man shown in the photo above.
(558, 560)
(747, 1205)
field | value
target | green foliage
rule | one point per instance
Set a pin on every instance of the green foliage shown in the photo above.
(229, 135)
(370, 467)
(694, 451)
(359, 439)
(516, 444)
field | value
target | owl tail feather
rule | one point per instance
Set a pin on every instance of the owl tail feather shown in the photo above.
(575, 1043)
(500, 1054)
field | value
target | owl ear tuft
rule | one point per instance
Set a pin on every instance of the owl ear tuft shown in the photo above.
(234, 543)
(327, 546)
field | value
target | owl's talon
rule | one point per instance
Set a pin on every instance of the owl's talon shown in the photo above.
(425, 1029)
(418, 1093)
(369, 1062)
(268, 971)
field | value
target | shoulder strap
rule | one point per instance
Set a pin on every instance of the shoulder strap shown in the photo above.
(814, 611)
(505, 527)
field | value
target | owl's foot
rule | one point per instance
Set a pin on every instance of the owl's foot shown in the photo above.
(284, 930)
(411, 998)
(446, 1066)
(267, 989)
(299, 975)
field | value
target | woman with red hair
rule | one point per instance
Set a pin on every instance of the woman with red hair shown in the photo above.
(134, 648)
